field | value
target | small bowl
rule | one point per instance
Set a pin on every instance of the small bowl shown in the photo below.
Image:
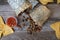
(10, 17)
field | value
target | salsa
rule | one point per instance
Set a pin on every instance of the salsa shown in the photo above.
(11, 21)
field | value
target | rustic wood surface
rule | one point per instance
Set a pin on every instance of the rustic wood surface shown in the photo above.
(46, 33)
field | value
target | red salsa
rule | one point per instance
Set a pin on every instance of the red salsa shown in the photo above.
(11, 21)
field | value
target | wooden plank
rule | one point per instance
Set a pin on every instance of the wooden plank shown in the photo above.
(5, 8)
(55, 10)
(46, 34)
